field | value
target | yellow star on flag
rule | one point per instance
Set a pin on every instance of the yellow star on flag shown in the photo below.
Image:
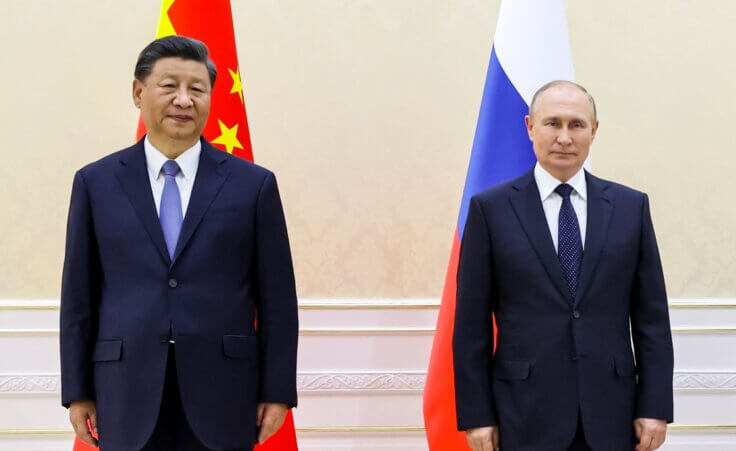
(237, 85)
(165, 27)
(228, 137)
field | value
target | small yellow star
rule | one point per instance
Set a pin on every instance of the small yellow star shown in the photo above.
(228, 137)
(237, 85)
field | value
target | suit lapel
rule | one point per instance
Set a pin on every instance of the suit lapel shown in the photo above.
(599, 217)
(207, 183)
(528, 208)
(133, 178)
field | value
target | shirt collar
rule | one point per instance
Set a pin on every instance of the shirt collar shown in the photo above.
(546, 182)
(188, 161)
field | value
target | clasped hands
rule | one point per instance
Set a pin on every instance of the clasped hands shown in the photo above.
(650, 432)
(270, 417)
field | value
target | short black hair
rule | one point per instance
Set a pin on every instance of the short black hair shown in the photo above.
(177, 47)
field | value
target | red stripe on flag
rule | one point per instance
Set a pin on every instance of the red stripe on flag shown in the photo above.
(440, 419)
(81, 446)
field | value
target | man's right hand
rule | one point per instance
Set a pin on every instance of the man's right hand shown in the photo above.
(79, 413)
(483, 439)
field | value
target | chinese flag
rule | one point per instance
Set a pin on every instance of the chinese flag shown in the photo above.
(211, 22)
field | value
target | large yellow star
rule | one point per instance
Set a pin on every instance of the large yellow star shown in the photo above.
(237, 85)
(228, 137)
(165, 27)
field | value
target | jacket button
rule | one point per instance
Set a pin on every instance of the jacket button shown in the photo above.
(173, 283)
(576, 314)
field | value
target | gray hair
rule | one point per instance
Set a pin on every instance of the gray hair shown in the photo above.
(555, 83)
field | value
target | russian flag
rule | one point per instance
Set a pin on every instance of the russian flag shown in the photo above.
(530, 48)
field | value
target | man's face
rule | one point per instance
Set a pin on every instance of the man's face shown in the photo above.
(174, 99)
(561, 128)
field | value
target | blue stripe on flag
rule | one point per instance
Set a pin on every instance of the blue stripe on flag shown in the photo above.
(501, 148)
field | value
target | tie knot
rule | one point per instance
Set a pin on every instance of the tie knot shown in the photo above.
(170, 168)
(564, 190)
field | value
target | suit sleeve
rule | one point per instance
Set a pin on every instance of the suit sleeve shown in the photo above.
(277, 319)
(80, 287)
(650, 328)
(473, 341)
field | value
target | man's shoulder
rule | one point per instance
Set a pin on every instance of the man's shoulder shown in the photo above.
(241, 164)
(124, 156)
(503, 190)
(111, 161)
(238, 167)
(614, 189)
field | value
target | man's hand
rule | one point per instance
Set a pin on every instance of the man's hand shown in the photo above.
(650, 432)
(483, 439)
(79, 413)
(270, 418)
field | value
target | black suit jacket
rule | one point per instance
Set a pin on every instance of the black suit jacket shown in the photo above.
(123, 297)
(557, 356)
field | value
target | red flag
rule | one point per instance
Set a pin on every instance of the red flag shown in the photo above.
(439, 394)
(211, 22)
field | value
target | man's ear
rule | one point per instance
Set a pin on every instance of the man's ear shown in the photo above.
(594, 131)
(529, 125)
(137, 91)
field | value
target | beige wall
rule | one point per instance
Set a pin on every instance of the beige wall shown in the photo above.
(366, 111)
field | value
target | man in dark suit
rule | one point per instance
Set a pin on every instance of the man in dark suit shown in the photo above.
(568, 265)
(178, 306)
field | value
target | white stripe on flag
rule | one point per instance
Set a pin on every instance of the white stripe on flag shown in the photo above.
(532, 45)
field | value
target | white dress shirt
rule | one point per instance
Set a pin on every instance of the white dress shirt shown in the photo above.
(551, 201)
(188, 163)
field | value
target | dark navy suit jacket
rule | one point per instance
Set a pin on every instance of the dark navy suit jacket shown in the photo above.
(558, 357)
(123, 297)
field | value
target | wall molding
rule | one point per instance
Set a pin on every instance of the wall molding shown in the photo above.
(49, 383)
(367, 429)
(376, 303)
(29, 383)
(369, 304)
(6, 332)
(364, 381)
(304, 304)
(704, 381)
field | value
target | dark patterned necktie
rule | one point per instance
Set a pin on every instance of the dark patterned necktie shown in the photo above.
(569, 244)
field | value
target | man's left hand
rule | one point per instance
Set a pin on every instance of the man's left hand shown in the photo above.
(650, 432)
(270, 418)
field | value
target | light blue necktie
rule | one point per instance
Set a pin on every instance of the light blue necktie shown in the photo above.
(170, 210)
(569, 244)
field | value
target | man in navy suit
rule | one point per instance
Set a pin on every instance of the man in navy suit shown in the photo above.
(178, 306)
(568, 265)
